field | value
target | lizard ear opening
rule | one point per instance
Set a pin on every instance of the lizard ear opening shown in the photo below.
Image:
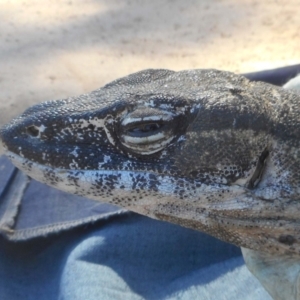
(261, 163)
(147, 130)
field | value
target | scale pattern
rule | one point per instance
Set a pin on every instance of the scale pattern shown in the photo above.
(205, 149)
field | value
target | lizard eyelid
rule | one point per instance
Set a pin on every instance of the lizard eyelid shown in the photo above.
(146, 131)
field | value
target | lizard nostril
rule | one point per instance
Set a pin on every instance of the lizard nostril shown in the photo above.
(91, 127)
(33, 131)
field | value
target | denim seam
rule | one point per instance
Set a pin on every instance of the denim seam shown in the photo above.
(33, 232)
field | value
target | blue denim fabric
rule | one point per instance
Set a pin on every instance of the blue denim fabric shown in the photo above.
(125, 257)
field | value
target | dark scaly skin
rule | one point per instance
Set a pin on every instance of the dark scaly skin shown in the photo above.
(228, 163)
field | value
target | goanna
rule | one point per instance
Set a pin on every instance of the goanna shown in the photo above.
(205, 149)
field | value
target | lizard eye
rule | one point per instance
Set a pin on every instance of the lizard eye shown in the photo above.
(147, 130)
(144, 129)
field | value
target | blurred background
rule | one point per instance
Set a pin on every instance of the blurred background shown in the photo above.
(55, 49)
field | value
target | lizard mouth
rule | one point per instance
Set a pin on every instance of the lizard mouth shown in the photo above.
(105, 183)
(3, 146)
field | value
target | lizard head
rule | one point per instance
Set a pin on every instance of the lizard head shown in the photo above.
(193, 147)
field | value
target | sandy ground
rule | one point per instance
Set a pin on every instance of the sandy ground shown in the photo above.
(54, 49)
